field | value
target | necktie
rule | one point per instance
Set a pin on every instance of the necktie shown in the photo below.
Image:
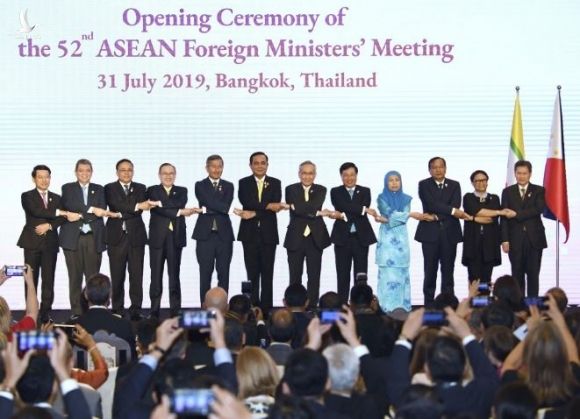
(214, 226)
(351, 193)
(126, 189)
(168, 191)
(260, 189)
(85, 228)
(522, 192)
(44, 199)
(440, 186)
(306, 198)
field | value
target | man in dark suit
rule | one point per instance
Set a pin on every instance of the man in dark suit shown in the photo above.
(167, 237)
(352, 233)
(213, 229)
(260, 196)
(522, 231)
(307, 235)
(83, 241)
(282, 330)
(39, 236)
(126, 236)
(440, 231)
(98, 317)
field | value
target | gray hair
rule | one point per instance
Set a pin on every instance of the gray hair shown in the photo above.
(343, 366)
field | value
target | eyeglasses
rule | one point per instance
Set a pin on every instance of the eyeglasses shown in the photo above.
(479, 180)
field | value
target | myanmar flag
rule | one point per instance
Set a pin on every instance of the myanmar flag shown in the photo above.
(516, 151)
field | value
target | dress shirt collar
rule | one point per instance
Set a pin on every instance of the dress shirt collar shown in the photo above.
(212, 180)
(526, 186)
(99, 307)
(258, 179)
(42, 192)
(85, 185)
(125, 184)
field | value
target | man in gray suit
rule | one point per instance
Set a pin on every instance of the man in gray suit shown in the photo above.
(282, 330)
(82, 237)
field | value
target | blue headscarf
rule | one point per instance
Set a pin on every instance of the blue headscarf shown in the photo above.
(397, 201)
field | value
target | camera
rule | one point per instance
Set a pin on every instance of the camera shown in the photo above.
(195, 319)
(14, 270)
(190, 401)
(434, 318)
(477, 302)
(329, 316)
(34, 339)
(539, 302)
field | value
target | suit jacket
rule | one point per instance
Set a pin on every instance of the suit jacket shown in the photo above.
(486, 235)
(217, 204)
(527, 224)
(352, 208)
(264, 225)
(102, 319)
(125, 204)
(304, 214)
(72, 200)
(36, 214)
(279, 352)
(162, 216)
(75, 404)
(439, 202)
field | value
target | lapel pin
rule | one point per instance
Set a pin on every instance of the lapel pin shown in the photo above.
(92, 192)
(445, 185)
(50, 199)
(131, 190)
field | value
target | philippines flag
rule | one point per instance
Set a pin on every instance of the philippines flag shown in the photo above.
(555, 172)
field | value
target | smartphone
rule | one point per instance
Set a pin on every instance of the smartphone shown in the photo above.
(68, 329)
(483, 288)
(14, 270)
(34, 339)
(195, 319)
(539, 302)
(190, 401)
(329, 316)
(477, 302)
(435, 318)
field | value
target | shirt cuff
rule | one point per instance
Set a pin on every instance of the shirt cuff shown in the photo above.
(150, 361)
(468, 339)
(178, 213)
(57, 214)
(90, 210)
(136, 207)
(7, 395)
(68, 385)
(203, 210)
(452, 211)
(344, 217)
(222, 356)
(159, 204)
(405, 343)
(361, 351)
(363, 211)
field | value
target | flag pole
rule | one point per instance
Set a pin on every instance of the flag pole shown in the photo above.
(557, 220)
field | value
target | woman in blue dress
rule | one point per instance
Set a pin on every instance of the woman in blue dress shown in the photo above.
(392, 254)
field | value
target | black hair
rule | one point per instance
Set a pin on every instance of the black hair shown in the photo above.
(295, 295)
(98, 289)
(306, 373)
(348, 165)
(40, 167)
(446, 359)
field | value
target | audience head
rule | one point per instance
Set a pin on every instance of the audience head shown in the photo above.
(343, 367)
(240, 306)
(306, 373)
(515, 401)
(420, 401)
(145, 334)
(282, 327)
(548, 371)
(422, 343)
(560, 297)
(98, 290)
(296, 296)
(506, 289)
(497, 313)
(234, 335)
(361, 295)
(290, 407)
(498, 342)
(36, 385)
(330, 301)
(32, 412)
(257, 373)
(216, 298)
(445, 299)
(5, 316)
(446, 360)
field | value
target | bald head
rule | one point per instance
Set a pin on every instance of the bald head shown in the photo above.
(216, 298)
(282, 328)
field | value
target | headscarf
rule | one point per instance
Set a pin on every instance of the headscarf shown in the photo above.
(397, 201)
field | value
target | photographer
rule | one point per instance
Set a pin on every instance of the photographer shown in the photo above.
(28, 322)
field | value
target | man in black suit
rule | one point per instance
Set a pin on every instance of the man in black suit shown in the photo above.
(439, 231)
(98, 317)
(126, 236)
(352, 233)
(213, 229)
(260, 196)
(39, 237)
(83, 240)
(522, 231)
(167, 237)
(307, 235)
(282, 330)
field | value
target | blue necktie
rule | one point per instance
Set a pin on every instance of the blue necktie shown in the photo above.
(86, 227)
(351, 193)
